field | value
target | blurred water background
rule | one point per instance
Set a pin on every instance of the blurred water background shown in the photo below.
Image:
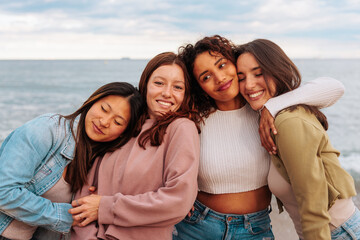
(29, 88)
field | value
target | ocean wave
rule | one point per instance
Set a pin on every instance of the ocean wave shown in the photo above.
(350, 162)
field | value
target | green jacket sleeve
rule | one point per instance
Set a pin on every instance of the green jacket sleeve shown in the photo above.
(299, 145)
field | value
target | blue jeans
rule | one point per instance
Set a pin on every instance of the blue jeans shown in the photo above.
(205, 223)
(350, 230)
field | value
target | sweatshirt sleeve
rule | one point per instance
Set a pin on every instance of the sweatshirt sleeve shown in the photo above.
(298, 143)
(21, 154)
(321, 92)
(171, 202)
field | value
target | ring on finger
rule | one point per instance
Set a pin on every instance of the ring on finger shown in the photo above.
(77, 203)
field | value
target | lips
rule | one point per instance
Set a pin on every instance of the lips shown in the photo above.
(255, 95)
(96, 129)
(225, 86)
(165, 104)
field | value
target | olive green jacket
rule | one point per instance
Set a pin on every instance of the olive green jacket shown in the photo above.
(307, 160)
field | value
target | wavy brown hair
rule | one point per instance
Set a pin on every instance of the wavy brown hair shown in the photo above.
(156, 133)
(275, 64)
(86, 150)
(213, 45)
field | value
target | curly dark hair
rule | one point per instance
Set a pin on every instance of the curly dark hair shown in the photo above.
(214, 45)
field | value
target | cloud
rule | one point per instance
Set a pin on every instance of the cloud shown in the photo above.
(141, 29)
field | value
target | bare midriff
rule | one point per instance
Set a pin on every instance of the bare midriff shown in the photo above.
(237, 203)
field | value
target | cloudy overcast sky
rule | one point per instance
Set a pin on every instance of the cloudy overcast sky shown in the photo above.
(112, 29)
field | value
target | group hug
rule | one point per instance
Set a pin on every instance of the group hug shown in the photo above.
(195, 151)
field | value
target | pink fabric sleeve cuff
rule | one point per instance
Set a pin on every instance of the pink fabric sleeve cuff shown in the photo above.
(106, 211)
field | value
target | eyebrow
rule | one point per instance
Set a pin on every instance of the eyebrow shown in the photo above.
(253, 69)
(207, 70)
(165, 79)
(117, 114)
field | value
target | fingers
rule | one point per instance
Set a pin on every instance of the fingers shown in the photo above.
(264, 141)
(75, 203)
(79, 217)
(85, 222)
(84, 218)
(85, 209)
(267, 126)
(75, 210)
(273, 129)
(191, 211)
(80, 220)
(76, 223)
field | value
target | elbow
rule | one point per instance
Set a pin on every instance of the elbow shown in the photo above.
(335, 85)
(339, 86)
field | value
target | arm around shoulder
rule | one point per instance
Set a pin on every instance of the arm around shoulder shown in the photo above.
(321, 92)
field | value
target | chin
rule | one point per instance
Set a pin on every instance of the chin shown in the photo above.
(255, 107)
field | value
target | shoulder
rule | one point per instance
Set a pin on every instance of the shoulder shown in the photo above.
(46, 119)
(43, 121)
(47, 125)
(297, 119)
(184, 125)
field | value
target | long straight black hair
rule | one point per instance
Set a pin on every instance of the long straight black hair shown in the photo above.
(86, 150)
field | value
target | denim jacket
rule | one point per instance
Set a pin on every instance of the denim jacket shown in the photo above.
(32, 160)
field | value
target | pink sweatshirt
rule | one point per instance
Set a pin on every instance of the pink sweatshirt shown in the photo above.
(145, 192)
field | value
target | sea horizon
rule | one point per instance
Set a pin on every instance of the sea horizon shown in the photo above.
(29, 88)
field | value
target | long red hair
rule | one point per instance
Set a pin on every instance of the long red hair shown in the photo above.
(156, 133)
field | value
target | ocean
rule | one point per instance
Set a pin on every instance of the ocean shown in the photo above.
(29, 88)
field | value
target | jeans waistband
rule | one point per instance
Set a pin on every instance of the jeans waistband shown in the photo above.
(204, 210)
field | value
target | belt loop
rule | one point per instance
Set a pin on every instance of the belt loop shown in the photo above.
(205, 212)
(246, 220)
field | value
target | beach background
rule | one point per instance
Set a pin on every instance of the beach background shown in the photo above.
(29, 88)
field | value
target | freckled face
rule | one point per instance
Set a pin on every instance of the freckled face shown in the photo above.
(252, 85)
(165, 90)
(217, 76)
(107, 118)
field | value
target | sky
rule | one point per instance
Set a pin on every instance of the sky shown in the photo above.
(140, 29)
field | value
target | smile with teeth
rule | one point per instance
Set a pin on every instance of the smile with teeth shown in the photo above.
(254, 95)
(166, 104)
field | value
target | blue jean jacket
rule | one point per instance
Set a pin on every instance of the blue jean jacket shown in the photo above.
(32, 160)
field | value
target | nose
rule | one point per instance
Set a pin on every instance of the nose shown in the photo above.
(249, 83)
(166, 92)
(105, 121)
(220, 77)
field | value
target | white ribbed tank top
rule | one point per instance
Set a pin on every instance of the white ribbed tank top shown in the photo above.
(231, 157)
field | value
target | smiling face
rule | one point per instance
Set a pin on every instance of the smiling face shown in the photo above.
(253, 85)
(107, 118)
(217, 76)
(165, 90)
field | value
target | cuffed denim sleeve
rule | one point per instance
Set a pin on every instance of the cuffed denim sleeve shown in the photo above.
(21, 155)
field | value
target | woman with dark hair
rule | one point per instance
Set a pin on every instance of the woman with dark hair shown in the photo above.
(150, 184)
(305, 175)
(45, 161)
(233, 201)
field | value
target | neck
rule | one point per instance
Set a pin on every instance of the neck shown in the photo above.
(234, 104)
